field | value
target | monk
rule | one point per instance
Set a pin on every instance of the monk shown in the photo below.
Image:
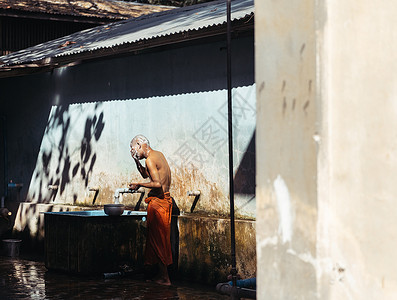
(158, 244)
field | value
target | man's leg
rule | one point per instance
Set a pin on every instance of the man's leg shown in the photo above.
(162, 276)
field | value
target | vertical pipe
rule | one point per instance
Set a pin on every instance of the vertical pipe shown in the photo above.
(230, 137)
(1, 38)
(5, 155)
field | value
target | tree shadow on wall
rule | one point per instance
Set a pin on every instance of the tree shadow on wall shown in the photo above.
(66, 169)
(67, 152)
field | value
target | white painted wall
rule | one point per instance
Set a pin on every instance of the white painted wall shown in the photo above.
(72, 126)
(336, 163)
(190, 129)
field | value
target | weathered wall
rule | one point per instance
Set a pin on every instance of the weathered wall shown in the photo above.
(194, 142)
(204, 253)
(78, 122)
(325, 193)
(357, 207)
(286, 160)
(72, 128)
(204, 243)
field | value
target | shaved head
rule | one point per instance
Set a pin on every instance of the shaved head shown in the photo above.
(140, 139)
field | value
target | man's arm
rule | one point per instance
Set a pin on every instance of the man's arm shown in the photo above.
(154, 182)
(141, 169)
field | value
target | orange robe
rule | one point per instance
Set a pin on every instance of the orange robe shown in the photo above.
(158, 243)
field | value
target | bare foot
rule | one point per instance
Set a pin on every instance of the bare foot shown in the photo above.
(162, 276)
(163, 282)
(159, 280)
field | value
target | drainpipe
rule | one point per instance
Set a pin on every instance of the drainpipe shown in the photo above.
(5, 157)
(230, 138)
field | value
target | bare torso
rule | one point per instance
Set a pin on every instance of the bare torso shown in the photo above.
(164, 172)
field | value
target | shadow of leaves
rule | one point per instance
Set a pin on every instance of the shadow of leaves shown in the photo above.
(67, 166)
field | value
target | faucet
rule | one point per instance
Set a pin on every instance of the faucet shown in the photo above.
(96, 190)
(118, 194)
(196, 195)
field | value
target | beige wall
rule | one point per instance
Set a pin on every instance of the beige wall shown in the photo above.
(326, 170)
(286, 150)
(357, 207)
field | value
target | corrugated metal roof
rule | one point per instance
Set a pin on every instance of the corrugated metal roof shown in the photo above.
(109, 9)
(134, 30)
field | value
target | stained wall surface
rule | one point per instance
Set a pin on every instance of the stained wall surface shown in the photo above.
(72, 127)
(325, 193)
(286, 160)
(79, 121)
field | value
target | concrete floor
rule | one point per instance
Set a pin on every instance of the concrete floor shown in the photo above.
(22, 278)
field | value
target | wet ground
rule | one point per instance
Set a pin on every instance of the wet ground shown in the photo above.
(22, 278)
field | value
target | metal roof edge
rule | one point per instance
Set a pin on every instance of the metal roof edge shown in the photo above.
(65, 49)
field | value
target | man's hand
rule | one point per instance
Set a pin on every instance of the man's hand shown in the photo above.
(134, 155)
(134, 186)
